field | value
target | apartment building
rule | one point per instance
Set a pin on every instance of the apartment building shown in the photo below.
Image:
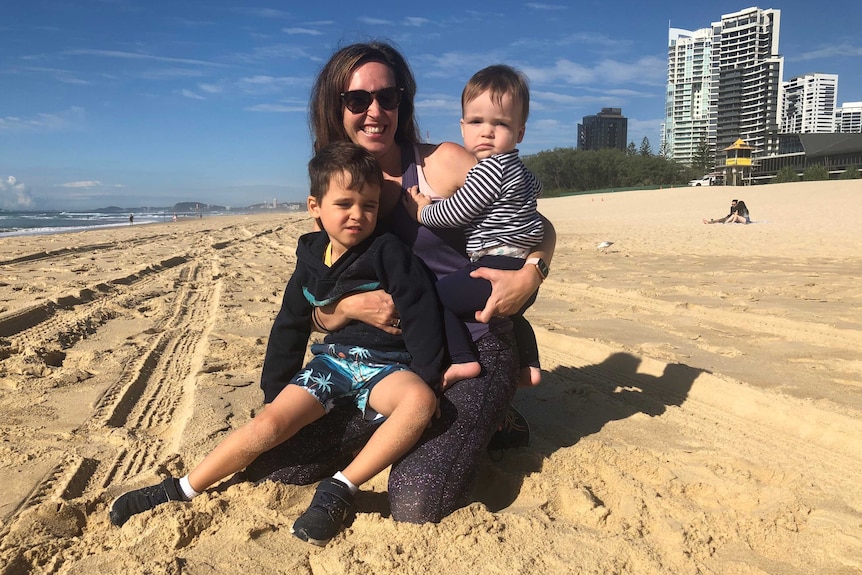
(687, 112)
(809, 104)
(848, 118)
(724, 83)
(607, 129)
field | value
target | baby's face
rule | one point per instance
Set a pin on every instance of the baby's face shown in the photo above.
(489, 127)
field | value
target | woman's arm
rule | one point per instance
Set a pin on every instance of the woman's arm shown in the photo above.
(374, 308)
(510, 290)
(445, 167)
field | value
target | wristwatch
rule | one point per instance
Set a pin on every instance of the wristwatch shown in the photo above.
(541, 266)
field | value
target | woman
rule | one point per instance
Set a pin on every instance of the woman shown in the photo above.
(738, 213)
(365, 93)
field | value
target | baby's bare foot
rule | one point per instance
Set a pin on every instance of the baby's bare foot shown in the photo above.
(459, 371)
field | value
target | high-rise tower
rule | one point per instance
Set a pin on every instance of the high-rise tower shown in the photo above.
(809, 104)
(686, 126)
(724, 83)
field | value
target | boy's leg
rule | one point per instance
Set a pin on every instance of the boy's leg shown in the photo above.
(290, 411)
(408, 404)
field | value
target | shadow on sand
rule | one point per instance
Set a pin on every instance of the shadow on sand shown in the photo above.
(575, 402)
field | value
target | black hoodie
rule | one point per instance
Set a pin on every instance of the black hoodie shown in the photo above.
(380, 262)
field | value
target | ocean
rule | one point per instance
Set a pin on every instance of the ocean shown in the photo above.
(34, 223)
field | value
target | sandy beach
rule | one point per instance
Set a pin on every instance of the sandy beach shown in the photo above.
(701, 409)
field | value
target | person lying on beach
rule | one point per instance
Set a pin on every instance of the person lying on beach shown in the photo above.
(738, 214)
(385, 375)
(496, 208)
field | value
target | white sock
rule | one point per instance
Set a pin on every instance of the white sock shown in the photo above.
(186, 488)
(340, 476)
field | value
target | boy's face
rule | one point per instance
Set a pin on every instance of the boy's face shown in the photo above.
(489, 128)
(347, 216)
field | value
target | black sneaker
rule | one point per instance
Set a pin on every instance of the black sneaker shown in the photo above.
(144, 499)
(323, 518)
(515, 432)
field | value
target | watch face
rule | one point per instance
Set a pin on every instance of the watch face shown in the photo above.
(543, 267)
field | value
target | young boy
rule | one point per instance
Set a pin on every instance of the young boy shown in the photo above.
(384, 375)
(497, 208)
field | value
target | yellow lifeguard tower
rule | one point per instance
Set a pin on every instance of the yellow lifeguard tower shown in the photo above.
(737, 165)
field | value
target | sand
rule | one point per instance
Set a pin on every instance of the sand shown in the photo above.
(700, 410)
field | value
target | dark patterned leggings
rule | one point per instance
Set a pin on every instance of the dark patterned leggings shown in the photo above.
(436, 476)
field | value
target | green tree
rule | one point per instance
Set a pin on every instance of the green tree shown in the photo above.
(785, 174)
(664, 149)
(703, 160)
(851, 173)
(567, 170)
(815, 173)
(631, 150)
(645, 149)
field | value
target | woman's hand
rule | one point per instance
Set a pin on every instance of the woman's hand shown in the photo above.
(374, 308)
(510, 290)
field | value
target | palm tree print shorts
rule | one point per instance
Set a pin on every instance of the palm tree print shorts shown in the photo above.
(341, 374)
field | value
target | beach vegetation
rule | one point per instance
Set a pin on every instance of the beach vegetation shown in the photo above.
(851, 173)
(703, 158)
(646, 148)
(564, 171)
(784, 175)
(815, 173)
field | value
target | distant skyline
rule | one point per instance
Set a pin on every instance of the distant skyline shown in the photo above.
(132, 103)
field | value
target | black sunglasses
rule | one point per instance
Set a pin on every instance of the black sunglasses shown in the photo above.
(358, 101)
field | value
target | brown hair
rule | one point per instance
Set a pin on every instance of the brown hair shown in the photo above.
(339, 158)
(499, 79)
(326, 111)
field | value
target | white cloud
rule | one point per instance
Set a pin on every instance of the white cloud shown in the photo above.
(376, 21)
(416, 21)
(262, 84)
(84, 184)
(191, 95)
(648, 70)
(138, 56)
(277, 108)
(305, 31)
(834, 51)
(44, 122)
(14, 194)
(538, 6)
(210, 88)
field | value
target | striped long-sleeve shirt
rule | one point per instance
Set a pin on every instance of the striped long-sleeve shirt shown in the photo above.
(496, 206)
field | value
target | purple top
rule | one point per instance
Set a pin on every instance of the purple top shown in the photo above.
(442, 250)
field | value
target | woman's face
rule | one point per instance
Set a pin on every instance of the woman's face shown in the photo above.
(374, 129)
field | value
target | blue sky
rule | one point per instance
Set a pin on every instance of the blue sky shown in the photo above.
(149, 103)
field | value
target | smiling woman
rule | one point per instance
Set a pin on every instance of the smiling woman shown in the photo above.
(365, 94)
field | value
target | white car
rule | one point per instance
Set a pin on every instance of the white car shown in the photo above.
(704, 181)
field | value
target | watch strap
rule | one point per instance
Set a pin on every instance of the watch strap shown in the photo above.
(541, 266)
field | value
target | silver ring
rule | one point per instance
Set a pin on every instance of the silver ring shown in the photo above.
(396, 323)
